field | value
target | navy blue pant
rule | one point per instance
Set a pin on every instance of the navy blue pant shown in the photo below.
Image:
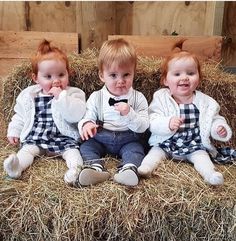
(123, 144)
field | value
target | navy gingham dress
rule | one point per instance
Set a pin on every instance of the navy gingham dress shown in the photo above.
(45, 133)
(188, 140)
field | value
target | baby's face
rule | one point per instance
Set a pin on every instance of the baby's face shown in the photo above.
(52, 73)
(118, 79)
(182, 77)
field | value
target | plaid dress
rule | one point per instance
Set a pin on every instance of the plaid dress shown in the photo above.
(187, 139)
(44, 132)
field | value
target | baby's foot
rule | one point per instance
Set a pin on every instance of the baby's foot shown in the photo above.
(93, 174)
(216, 178)
(11, 166)
(71, 175)
(127, 175)
(145, 170)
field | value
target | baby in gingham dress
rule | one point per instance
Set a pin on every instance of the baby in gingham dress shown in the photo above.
(182, 120)
(46, 115)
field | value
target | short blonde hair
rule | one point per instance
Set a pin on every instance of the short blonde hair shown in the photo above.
(118, 51)
(48, 52)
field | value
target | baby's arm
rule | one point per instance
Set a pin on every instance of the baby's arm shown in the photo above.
(210, 119)
(87, 126)
(162, 122)
(17, 122)
(137, 117)
(220, 130)
(72, 104)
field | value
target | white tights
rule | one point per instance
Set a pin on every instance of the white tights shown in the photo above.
(200, 159)
(15, 164)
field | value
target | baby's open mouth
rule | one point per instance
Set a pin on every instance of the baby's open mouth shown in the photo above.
(183, 85)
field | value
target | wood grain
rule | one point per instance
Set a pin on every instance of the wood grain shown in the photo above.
(208, 47)
(16, 47)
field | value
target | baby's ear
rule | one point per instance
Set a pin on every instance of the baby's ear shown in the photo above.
(34, 78)
(100, 74)
(165, 82)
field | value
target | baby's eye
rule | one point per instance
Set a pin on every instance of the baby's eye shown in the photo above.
(127, 74)
(176, 74)
(191, 73)
(48, 76)
(113, 76)
(61, 74)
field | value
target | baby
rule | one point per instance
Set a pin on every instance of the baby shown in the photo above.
(182, 120)
(46, 115)
(115, 117)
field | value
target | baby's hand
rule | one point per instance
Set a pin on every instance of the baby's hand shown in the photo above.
(55, 91)
(122, 107)
(89, 130)
(175, 123)
(13, 140)
(221, 131)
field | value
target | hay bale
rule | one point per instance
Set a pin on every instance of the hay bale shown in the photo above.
(173, 205)
(84, 74)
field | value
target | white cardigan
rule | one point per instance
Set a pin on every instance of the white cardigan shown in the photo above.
(67, 110)
(163, 107)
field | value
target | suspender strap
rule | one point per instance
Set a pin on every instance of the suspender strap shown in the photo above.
(99, 120)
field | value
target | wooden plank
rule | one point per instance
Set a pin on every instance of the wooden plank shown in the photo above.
(12, 15)
(192, 18)
(205, 47)
(214, 18)
(96, 20)
(16, 47)
(55, 16)
(24, 44)
(229, 31)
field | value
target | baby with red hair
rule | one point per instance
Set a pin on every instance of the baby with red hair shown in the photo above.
(182, 120)
(46, 115)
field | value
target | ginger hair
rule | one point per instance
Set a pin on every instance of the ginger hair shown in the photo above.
(47, 52)
(178, 53)
(117, 51)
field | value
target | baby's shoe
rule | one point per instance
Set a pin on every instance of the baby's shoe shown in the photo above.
(93, 174)
(127, 175)
(71, 175)
(215, 178)
(11, 166)
(145, 170)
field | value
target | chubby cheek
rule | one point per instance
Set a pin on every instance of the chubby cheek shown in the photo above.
(46, 87)
(64, 84)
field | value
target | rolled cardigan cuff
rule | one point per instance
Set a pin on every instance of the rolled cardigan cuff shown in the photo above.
(216, 136)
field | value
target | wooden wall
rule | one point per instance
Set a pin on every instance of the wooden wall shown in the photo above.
(95, 20)
(229, 31)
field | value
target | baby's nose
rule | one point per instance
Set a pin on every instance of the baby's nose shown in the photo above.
(120, 80)
(56, 82)
(185, 78)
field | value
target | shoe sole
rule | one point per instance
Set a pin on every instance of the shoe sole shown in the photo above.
(90, 177)
(127, 177)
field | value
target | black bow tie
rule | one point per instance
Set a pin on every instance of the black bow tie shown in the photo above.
(112, 101)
